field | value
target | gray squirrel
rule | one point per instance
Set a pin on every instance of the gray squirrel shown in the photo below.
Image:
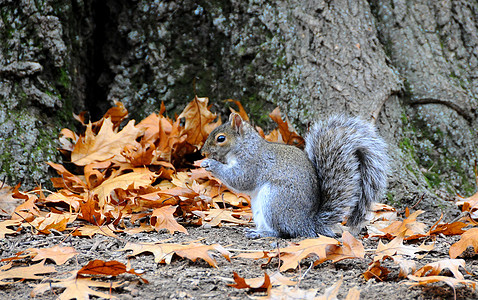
(342, 171)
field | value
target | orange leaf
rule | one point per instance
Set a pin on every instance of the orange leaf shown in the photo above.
(8, 223)
(469, 238)
(29, 272)
(103, 268)
(56, 253)
(435, 268)
(162, 218)
(350, 248)
(292, 255)
(163, 252)
(375, 270)
(76, 288)
(105, 145)
(196, 116)
(242, 111)
(288, 134)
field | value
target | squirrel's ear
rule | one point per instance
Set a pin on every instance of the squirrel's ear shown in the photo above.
(236, 121)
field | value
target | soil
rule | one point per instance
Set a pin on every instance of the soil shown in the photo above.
(185, 279)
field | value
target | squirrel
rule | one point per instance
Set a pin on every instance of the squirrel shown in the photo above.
(295, 192)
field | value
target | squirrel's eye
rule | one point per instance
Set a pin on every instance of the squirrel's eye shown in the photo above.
(221, 138)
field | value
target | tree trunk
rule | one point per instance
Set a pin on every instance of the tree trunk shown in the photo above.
(408, 66)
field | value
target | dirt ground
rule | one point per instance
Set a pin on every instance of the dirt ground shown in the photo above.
(184, 279)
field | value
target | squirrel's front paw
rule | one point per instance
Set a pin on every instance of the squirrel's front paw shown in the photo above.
(209, 164)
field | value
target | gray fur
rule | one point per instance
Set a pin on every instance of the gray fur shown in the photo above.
(297, 193)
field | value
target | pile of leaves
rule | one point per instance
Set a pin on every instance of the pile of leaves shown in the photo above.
(131, 178)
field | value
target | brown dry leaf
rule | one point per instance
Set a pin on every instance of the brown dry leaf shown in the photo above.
(410, 226)
(163, 218)
(263, 282)
(67, 197)
(377, 271)
(256, 284)
(407, 266)
(455, 228)
(197, 117)
(287, 292)
(469, 238)
(469, 205)
(435, 268)
(9, 223)
(91, 230)
(353, 294)
(396, 246)
(58, 254)
(53, 221)
(288, 134)
(242, 112)
(293, 254)
(451, 281)
(103, 268)
(67, 179)
(217, 217)
(163, 252)
(331, 292)
(350, 248)
(107, 144)
(7, 202)
(136, 179)
(76, 288)
(30, 272)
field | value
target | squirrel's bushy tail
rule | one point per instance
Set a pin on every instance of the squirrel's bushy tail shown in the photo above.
(351, 162)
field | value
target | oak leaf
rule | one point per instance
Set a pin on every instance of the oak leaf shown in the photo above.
(8, 202)
(350, 248)
(377, 271)
(296, 252)
(451, 281)
(8, 223)
(216, 217)
(91, 230)
(106, 268)
(261, 283)
(288, 134)
(107, 144)
(435, 268)
(53, 221)
(76, 288)
(30, 272)
(469, 238)
(58, 254)
(197, 118)
(396, 246)
(163, 252)
(162, 218)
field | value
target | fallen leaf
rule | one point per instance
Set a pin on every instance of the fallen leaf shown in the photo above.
(30, 272)
(7, 202)
(162, 218)
(197, 116)
(296, 252)
(350, 248)
(452, 282)
(469, 238)
(58, 254)
(215, 217)
(288, 134)
(91, 230)
(377, 271)
(163, 252)
(396, 246)
(107, 144)
(435, 268)
(76, 288)
(8, 223)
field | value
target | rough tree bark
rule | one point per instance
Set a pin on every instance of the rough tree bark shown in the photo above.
(408, 66)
